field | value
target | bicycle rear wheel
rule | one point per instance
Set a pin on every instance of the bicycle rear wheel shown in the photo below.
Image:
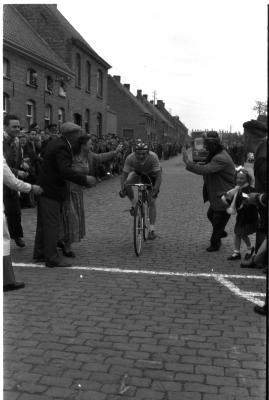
(138, 230)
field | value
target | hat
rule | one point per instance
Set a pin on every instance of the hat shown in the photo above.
(69, 127)
(256, 128)
(211, 136)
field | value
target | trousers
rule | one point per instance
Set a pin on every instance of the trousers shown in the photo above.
(47, 229)
(218, 221)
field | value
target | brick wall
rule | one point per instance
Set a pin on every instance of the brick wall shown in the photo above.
(19, 92)
(130, 116)
(78, 100)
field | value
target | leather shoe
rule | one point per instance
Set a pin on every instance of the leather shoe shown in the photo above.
(13, 286)
(152, 235)
(212, 248)
(53, 264)
(261, 310)
(19, 242)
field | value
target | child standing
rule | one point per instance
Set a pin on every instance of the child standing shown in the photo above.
(247, 216)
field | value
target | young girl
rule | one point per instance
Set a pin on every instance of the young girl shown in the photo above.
(247, 216)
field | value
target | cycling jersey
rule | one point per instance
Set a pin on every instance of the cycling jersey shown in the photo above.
(148, 167)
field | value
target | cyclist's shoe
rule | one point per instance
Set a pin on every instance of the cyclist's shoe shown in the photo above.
(152, 235)
(132, 211)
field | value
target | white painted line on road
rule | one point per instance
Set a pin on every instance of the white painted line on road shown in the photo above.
(147, 272)
(250, 296)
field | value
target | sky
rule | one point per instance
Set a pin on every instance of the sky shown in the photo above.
(207, 60)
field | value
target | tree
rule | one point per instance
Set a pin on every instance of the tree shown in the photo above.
(261, 107)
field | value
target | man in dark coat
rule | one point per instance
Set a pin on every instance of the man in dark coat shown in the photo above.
(13, 155)
(55, 171)
(218, 173)
(255, 133)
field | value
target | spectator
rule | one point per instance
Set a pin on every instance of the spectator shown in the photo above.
(260, 200)
(13, 155)
(246, 218)
(56, 169)
(256, 142)
(73, 217)
(15, 184)
(218, 173)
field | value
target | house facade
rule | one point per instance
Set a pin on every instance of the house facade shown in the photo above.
(82, 81)
(134, 120)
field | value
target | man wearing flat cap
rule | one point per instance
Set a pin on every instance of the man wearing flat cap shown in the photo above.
(55, 171)
(218, 173)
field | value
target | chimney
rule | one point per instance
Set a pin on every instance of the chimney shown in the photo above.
(160, 104)
(127, 86)
(145, 96)
(116, 77)
(139, 93)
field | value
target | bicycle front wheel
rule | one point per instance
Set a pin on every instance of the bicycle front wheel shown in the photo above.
(145, 220)
(138, 230)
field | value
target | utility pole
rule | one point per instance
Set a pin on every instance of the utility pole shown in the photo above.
(154, 97)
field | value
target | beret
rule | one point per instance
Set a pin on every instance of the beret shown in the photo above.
(69, 127)
(256, 127)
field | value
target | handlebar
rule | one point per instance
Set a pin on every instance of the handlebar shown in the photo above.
(141, 185)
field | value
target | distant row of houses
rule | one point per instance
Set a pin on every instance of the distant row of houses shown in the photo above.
(51, 75)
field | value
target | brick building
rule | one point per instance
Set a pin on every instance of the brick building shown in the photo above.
(68, 81)
(161, 130)
(180, 131)
(134, 119)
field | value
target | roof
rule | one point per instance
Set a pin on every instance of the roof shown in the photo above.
(158, 113)
(72, 32)
(130, 95)
(19, 35)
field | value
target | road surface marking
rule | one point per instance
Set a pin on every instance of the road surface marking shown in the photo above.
(250, 296)
(146, 272)
(221, 278)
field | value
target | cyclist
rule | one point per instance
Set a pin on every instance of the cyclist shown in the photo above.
(142, 166)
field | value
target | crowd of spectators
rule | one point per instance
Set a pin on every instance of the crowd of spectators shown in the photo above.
(49, 164)
(34, 142)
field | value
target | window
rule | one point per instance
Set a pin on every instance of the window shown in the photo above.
(48, 115)
(30, 112)
(78, 70)
(99, 125)
(78, 119)
(6, 103)
(99, 83)
(62, 89)
(49, 84)
(87, 121)
(6, 68)
(88, 77)
(61, 116)
(32, 77)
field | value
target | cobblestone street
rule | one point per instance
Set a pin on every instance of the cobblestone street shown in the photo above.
(176, 323)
